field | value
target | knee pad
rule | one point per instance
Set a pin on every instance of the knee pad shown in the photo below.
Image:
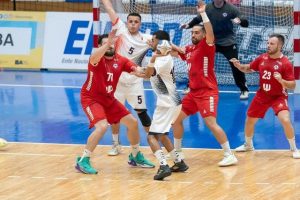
(144, 118)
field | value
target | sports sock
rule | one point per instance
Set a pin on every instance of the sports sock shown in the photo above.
(159, 154)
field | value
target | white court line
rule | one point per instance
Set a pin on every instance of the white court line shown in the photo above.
(61, 178)
(33, 154)
(14, 176)
(85, 179)
(37, 177)
(262, 183)
(236, 183)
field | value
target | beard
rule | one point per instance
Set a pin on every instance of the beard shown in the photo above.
(109, 53)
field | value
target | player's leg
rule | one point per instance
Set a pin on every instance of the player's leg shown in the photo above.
(136, 158)
(257, 109)
(281, 109)
(239, 77)
(136, 99)
(96, 115)
(116, 146)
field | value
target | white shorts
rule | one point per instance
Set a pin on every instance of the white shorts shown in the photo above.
(163, 118)
(133, 93)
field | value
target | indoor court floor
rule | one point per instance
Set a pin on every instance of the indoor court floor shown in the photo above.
(41, 117)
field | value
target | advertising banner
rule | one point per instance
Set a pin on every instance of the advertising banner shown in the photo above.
(21, 39)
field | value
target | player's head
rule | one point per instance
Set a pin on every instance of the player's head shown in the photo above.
(134, 22)
(275, 43)
(198, 33)
(218, 3)
(103, 40)
(161, 42)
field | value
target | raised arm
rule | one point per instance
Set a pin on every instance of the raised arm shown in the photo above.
(242, 67)
(110, 11)
(100, 51)
(210, 38)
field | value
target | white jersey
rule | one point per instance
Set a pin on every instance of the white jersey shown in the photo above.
(133, 47)
(163, 83)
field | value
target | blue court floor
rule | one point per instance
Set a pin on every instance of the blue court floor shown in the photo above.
(44, 107)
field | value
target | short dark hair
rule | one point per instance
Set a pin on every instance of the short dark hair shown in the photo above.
(101, 37)
(135, 15)
(162, 35)
(279, 37)
(201, 26)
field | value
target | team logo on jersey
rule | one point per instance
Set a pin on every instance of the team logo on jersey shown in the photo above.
(225, 14)
(263, 63)
(115, 65)
(276, 67)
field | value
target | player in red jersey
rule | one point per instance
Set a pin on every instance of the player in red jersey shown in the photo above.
(275, 77)
(203, 95)
(100, 105)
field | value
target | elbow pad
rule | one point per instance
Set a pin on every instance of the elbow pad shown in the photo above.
(195, 20)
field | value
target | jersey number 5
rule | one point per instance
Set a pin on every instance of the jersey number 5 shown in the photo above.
(131, 50)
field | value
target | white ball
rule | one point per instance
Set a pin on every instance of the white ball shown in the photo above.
(3, 143)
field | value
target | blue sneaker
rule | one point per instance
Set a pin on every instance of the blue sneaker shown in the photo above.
(140, 161)
(84, 166)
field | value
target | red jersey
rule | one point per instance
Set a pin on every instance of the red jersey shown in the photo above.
(102, 79)
(201, 60)
(266, 67)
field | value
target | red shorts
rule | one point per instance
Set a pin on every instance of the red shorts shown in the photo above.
(261, 103)
(113, 111)
(207, 105)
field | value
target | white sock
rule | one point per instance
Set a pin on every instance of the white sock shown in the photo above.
(226, 147)
(135, 149)
(249, 141)
(159, 154)
(115, 138)
(177, 144)
(86, 153)
(292, 144)
(176, 157)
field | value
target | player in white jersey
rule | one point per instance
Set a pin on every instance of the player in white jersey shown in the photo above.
(168, 105)
(134, 45)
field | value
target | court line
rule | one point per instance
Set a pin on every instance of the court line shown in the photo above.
(79, 87)
(189, 148)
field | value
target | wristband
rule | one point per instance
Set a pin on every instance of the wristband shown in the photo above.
(204, 17)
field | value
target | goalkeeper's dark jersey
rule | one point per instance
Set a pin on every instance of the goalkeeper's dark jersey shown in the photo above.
(220, 19)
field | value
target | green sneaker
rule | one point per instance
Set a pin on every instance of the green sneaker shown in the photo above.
(140, 161)
(84, 166)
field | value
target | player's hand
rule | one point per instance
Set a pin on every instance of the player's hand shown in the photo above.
(149, 42)
(138, 71)
(201, 7)
(278, 77)
(112, 36)
(184, 26)
(236, 20)
(235, 62)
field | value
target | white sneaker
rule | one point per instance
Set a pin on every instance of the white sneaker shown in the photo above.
(296, 154)
(181, 154)
(116, 150)
(229, 159)
(245, 147)
(244, 95)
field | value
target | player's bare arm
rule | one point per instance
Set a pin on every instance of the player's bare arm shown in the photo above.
(210, 38)
(290, 85)
(100, 51)
(242, 67)
(110, 10)
(176, 49)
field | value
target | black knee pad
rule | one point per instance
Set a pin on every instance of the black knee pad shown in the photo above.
(144, 118)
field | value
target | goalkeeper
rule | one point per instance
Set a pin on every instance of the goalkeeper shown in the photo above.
(222, 16)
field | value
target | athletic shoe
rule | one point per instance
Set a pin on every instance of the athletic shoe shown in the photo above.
(179, 167)
(229, 159)
(140, 161)
(116, 150)
(162, 172)
(3, 143)
(181, 154)
(296, 154)
(244, 95)
(245, 147)
(84, 166)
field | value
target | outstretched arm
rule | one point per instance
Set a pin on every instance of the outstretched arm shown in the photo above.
(242, 67)
(210, 38)
(100, 51)
(110, 10)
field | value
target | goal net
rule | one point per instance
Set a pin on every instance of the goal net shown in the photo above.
(265, 17)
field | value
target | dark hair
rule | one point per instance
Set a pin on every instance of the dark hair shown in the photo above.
(101, 37)
(135, 15)
(279, 37)
(201, 26)
(162, 35)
